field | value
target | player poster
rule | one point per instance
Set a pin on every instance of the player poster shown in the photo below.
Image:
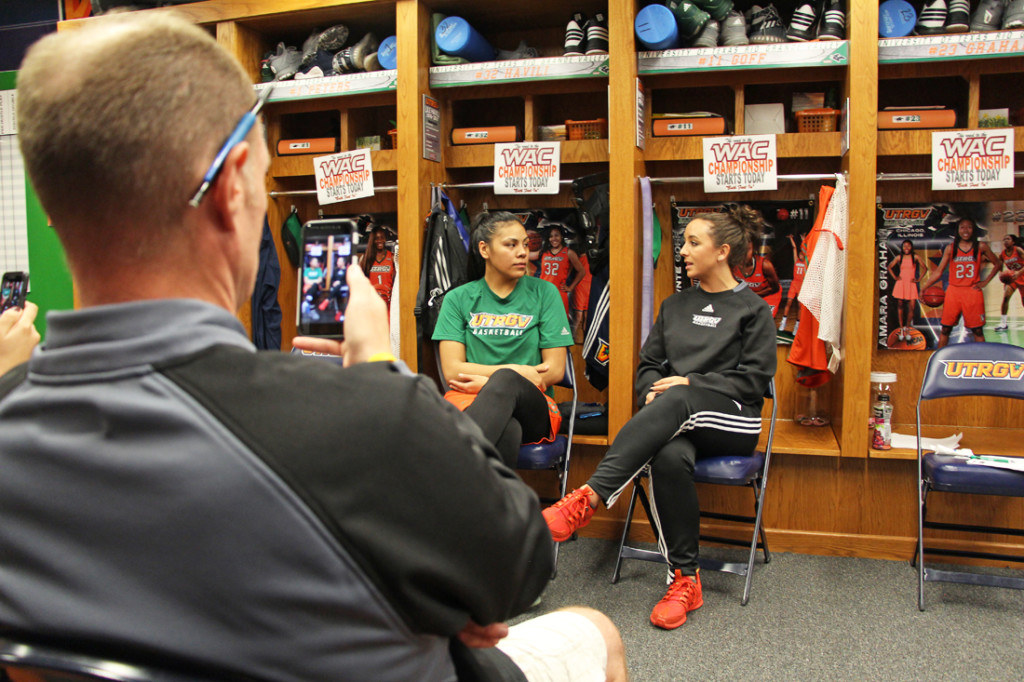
(776, 266)
(950, 273)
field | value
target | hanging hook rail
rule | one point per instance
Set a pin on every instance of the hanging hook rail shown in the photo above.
(307, 192)
(897, 177)
(802, 177)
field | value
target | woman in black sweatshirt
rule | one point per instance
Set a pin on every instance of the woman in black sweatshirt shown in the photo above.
(700, 383)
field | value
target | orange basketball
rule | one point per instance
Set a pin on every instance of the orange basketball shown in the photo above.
(933, 296)
(1005, 277)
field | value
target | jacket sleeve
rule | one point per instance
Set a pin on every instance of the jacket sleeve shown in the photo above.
(653, 363)
(749, 380)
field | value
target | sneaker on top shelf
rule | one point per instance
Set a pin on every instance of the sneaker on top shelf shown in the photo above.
(734, 30)
(833, 22)
(329, 40)
(801, 25)
(575, 36)
(522, 51)
(683, 595)
(1013, 16)
(597, 35)
(708, 37)
(766, 26)
(718, 9)
(958, 16)
(285, 62)
(932, 19)
(988, 16)
(689, 18)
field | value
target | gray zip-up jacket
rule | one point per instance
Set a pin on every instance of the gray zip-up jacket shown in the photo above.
(165, 488)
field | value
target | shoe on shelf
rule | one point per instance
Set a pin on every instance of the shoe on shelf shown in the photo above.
(734, 30)
(988, 16)
(684, 595)
(522, 51)
(718, 9)
(344, 62)
(833, 22)
(1013, 17)
(932, 19)
(597, 35)
(330, 40)
(708, 37)
(575, 35)
(689, 18)
(569, 514)
(371, 63)
(958, 16)
(285, 62)
(802, 24)
(766, 26)
(367, 45)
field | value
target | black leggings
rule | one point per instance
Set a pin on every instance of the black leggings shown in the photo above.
(669, 435)
(510, 411)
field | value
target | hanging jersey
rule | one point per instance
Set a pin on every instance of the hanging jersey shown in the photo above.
(382, 275)
(965, 268)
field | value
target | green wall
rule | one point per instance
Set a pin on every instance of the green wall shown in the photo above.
(49, 277)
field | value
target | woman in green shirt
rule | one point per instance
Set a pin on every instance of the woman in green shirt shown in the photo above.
(502, 340)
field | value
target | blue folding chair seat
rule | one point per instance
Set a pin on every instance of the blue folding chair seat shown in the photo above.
(732, 470)
(958, 371)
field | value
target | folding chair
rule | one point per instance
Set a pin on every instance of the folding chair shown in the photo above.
(733, 470)
(956, 371)
(554, 455)
(30, 661)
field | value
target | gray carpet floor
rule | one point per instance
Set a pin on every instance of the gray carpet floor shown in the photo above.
(808, 618)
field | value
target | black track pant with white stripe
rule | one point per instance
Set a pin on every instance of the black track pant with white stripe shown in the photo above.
(669, 435)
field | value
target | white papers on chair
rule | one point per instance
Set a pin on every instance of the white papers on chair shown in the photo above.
(943, 446)
(1014, 463)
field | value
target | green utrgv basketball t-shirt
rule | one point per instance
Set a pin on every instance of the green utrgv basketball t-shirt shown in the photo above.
(499, 331)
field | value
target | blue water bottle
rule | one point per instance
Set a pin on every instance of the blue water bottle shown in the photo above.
(456, 37)
(387, 53)
(656, 28)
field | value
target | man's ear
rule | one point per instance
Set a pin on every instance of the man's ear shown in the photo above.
(229, 189)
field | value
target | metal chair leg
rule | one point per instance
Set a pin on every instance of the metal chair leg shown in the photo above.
(625, 532)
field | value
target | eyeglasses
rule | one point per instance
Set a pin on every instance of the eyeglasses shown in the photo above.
(245, 124)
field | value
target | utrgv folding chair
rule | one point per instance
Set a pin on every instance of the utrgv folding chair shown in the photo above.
(733, 470)
(957, 371)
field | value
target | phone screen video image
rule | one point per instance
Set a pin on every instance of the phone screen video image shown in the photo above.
(324, 291)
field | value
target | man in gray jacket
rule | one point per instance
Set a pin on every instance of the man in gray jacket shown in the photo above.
(166, 490)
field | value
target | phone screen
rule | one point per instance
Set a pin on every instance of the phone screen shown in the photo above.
(13, 289)
(328, 250)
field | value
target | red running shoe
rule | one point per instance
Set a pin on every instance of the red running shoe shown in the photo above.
(684, 595)
(569, 514)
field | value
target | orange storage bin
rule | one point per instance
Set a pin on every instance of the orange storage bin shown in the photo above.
(587, 130)
(817, 120)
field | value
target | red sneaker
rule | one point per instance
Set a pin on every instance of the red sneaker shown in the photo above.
(569, 514)
(684, 595)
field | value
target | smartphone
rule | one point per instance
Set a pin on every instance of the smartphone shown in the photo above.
(328, 248)
(13, 290)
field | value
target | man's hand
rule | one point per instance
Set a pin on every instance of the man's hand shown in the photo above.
(366, 324)
(18, 335)
(483, 636)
